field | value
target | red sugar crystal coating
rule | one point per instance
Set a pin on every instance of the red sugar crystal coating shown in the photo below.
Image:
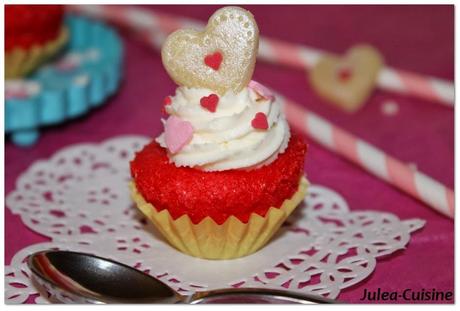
(184, 190)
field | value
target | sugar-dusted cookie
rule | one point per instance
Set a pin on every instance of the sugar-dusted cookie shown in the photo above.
(349, 80)
(220, 58)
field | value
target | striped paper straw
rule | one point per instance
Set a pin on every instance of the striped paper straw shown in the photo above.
(370, 158)
(159, 25)
(339, 141)
(390, 79)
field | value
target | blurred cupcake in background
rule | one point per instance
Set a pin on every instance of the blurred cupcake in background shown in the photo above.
(33, 34)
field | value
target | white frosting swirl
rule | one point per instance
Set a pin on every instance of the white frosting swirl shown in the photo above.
(225, 139)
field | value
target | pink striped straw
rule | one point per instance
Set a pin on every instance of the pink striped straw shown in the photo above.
(158, 25)
(390, 79)
(154, 28)
(370, 158)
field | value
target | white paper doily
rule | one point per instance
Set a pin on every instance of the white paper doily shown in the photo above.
(79, 199)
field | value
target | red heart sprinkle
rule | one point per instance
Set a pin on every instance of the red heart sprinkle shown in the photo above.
(345, 74)
(166, 101)
(213, 60)
(209, 102)
(260, 121)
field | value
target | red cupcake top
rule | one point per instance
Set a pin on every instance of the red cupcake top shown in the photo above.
(28, 25)
(198, 194)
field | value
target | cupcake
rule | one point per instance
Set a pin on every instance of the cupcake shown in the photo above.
(33, 33)
(227, 171)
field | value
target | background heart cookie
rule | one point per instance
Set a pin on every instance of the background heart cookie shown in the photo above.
(349, 80)
(220, 58)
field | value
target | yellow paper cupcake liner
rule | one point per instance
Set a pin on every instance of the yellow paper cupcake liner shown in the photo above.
(20, 62)
(232, 239)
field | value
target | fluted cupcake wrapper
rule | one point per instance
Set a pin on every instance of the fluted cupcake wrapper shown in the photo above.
(232, 239)
(20, 62)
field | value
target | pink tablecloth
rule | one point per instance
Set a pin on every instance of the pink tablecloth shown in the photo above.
(418, 38)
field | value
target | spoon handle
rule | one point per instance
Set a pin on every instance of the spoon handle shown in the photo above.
(255, 295)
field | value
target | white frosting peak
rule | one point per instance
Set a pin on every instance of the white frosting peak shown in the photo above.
(225, 139)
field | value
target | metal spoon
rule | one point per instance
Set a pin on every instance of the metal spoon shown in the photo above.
(83, 278)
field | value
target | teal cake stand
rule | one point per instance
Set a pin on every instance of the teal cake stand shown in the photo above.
(81, 78)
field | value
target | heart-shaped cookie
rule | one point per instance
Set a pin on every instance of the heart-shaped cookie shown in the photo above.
(349, 80)
(220, 58)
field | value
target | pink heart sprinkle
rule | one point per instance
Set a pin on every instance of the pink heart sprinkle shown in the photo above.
(178, 133)
(261, 90)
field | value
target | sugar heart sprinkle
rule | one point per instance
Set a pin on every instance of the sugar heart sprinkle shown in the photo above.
(344, 74)
(166, 101)
(261, 90)
(210, 102)
(178, 133)
(260, 121)
(213, 60)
